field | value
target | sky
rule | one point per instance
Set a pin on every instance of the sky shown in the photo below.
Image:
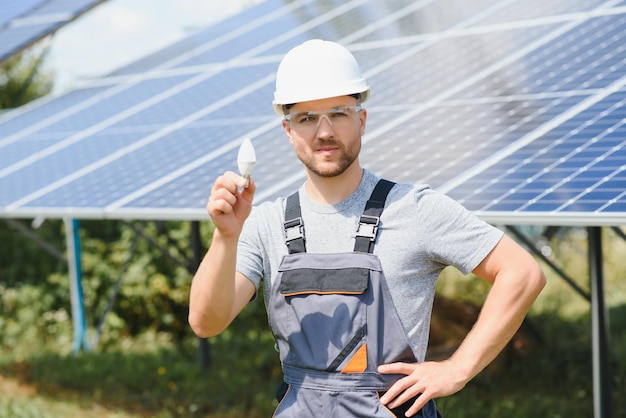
(118, 32)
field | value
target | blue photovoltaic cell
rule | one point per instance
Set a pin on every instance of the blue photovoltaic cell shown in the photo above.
(65, 162)
(475, 129)
(116, 103)
(204, 93)
(443, 73)
(169, 153)
(63, 6)
(18, 120)
(509, 106)
(25, 22)
(272, 147)
(523, 10)
(591, 55)
(230, 49)
(575, 171)
(213, 36)
(14, 9)
(12, 40)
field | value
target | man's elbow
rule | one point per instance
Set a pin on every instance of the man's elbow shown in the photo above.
(203, 328)
(536, 278)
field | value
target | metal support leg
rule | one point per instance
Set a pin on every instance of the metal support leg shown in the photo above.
(599, 328)
(76, 285)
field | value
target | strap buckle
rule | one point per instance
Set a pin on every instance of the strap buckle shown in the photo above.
(368, 227)
(293, 229)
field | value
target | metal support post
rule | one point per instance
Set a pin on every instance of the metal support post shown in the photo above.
(599, 328)
(76, 285)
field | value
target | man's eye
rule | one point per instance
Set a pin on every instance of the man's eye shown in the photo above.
(308, 119)
(338, 114)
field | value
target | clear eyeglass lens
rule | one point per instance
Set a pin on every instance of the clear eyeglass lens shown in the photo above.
(338, 117)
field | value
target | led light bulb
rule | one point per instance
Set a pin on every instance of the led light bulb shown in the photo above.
(246, 159)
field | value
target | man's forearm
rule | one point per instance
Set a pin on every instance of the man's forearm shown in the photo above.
(503, 312)
(213, 288)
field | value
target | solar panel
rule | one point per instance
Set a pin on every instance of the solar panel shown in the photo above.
(515, 108)
(16, 9)
(24, 22)
(577, 170)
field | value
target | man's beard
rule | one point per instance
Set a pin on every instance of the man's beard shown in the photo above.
(323, 169)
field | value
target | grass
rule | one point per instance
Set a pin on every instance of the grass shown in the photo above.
(143, 380)
(553, 379)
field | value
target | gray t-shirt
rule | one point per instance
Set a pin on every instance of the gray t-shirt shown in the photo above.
(421, 232)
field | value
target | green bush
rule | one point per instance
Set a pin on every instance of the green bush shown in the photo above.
(147, 362)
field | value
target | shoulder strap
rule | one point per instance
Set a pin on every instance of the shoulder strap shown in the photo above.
(366, 230)
(368, 223)
(294, 228)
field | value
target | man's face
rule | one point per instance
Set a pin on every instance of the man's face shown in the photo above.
(326, 134)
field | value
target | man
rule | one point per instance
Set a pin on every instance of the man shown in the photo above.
(350, 262)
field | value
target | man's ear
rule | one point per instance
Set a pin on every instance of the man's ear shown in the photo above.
(287, 129)
(363, 119)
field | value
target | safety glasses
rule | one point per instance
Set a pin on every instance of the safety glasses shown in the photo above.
(338, 117)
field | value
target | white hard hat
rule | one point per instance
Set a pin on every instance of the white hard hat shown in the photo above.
(317, 69)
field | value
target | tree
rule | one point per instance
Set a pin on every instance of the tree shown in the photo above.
(23, 78)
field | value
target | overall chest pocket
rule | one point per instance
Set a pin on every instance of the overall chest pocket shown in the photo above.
(326, 311)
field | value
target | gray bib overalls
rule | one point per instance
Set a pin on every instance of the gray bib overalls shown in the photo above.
(334, 322)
